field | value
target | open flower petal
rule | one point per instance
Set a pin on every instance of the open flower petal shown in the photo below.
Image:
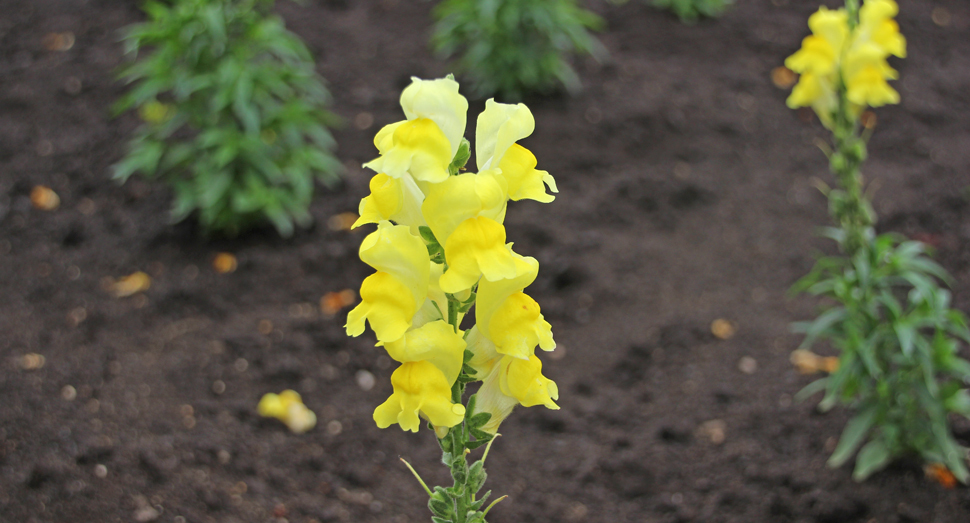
(475, 249)
(461, 197)
(438, 101)
(518, 167)
(498, 127)
(435, 342)
(416, 146)
(420, 391)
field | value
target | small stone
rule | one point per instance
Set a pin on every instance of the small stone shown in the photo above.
(748, 365)
(145, 514)
(225, 263)
(365, 380)
(240, 365)
(334, 427)
(723, 329)
(68, 393)
(224, 456)
(714, 430)
(100, 471)
(218, 387)
(32, 361)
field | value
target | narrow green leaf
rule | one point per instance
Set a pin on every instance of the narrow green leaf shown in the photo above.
(852, 436)
(873, 457)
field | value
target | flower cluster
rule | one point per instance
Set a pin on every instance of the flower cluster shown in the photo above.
(842, 53)
(440, 247)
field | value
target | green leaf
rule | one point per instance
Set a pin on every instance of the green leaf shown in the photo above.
(811, 389)
(852, 436)
(873, 457)
(819, 326)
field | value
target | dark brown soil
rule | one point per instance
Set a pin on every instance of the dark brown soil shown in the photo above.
(686, 196)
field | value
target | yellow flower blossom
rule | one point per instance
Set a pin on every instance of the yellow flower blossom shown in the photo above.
(435, 342)
(287, 407)
(420, 391)
(461, 197)
(474, 250)
(508, 317)
(439, 101)
(395, 199)
(391, 297)
(417, 147)
(498, 129)
(507, 382)
(857, 59)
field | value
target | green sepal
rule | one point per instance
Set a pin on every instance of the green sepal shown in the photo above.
(478, 420)
(459, 469)
(461, 158)
(440, 508)
(477, 505)
(476, 476)
(436, 519)
(479, 434)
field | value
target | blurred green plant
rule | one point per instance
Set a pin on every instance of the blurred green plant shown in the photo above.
(515, 47)
(891, 322)
(690, 11)
(233, 113)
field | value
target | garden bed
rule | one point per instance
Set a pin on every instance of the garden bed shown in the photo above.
(686, 196)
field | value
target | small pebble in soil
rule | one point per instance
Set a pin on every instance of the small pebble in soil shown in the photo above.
(365, 380)
(723, 329)
(77, 316)
(218, 387)
(45, 148)
(44, 198)
(73, 272)
(86, 206)
(748, 365)
(334, 427)
(576, 512)
(241, 365)
(225, 263)
(559, 353)
(32, 361)
(224, 456)
(265, 327)
(713, 430)
(68, 393)
(941, 16)
(100, 471)
(363, 120)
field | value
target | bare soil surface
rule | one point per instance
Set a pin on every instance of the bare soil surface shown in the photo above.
(686, 196)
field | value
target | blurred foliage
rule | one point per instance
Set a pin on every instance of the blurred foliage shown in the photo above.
(515, 47)
(233, 114)
(689, 11)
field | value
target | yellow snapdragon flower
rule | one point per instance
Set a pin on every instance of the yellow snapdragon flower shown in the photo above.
(856, 58)
(287, 407)
(507, 381)
(475, 250)
(391, 297)
(499, 126)
(420, 390)
(510, 318)
(395, 199)
(435, 342)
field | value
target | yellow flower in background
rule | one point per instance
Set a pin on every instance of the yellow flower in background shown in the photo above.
(420, 391)
(508, 317)
(857, 59)
(391, 297)
(287, 407)
(474, 250)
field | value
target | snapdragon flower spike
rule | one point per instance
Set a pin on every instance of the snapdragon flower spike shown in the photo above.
(508, 317)
(391, 297)
(855, 56)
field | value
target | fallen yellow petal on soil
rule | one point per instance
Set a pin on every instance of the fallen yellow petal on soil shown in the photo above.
(783, 77)
(807, 362)
(723, 329)
(342, 222)
(131, 284)
(44, 198)
(225, 263)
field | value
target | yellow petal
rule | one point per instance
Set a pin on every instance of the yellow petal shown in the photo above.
(461, 197)
(499, 126)
(492, 294)
(420, 391)
(387, 304)
(518, 167)
(395, 199)
(395, 250)
(416, 146)
(270, 406)
(476, 249)
(492, 400)
(484, 355)
(833, 26)
(523, 380)
(435, 342)
(869, 87)
(517, 326)
(816, 56)
(438, 101)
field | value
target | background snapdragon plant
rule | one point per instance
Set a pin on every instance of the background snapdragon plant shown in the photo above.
(233, 113)
(898, 339)
(439, 251)
(690, 11)
(516, 47)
